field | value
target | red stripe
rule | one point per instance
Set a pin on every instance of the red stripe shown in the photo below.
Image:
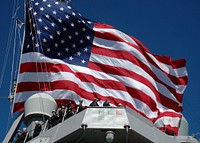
(99, 25)
(122, 72)
(44, 86)
(142, 50)
(128, 56)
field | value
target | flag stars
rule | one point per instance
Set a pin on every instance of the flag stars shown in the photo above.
(44, 40)
(83, 61)
(79, 53)
(67, 16)
(42, 8)
(85, 49)
(56, 2)
(48, 49)
(59, 54)
(72, 24)
(56, 45)
(30, 8)
(53, 24)
(83, 29)
(54, 12)
(46, 27)
(70, 37)
(69, 7)
(44, 0)
(71, 58)
(76, 33)
(40, 20)
(51, 36)
(28, 46)
(35, 13)
(62, 9)
(74, 14)
(58, 32)
(64, 29)
(62, 41)
(74, 45)
(81, 41)
(47, 16)
(60, 20)
(39, 32)
(37, 45)
(88, 37)
(67, 49)
(37, 3)
(49, 5)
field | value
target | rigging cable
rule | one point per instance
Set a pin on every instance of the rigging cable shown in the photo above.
(15, 9)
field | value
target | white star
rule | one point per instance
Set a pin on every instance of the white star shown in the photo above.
(46, 27)
(83, 29)
(35, 13)
(76, 33)
(69, 37)
(55, 45)
(30, 8)
(81, 41)
(74, 14)
(58, 32)
(51, 36)
(56, 2)
(61, 8)
(88, 37)
(52, 24)
(64, 29)
(47, 16)
(44, 40)
(79, 53)
(83, 61)
(67, 49)
(40, 20)
(54, 12)
(62, 41)
(59, 54)
(69, 7)
(72, 24)
(39, 32)
(49, 5)
(28, 46)
(79, 21)
(42, 9)
(85, 49)
(48, 49)
(71, 58)
(33, 25)
(36, 3)
(74, 45)
(44, 0)
(60, 20)
(83, 21)
(89, 22)
(36, 45)
(67, 16)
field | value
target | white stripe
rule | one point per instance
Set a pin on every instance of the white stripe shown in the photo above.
(113, 45)
(167, 120)
(178, 72)
(71, 95)
(130, 66)
(116, 32)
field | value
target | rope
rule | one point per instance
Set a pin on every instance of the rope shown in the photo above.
(9, 41)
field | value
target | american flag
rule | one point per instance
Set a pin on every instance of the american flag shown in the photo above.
(73, 58)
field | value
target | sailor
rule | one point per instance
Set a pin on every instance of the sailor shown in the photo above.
(19, 137)
(61, 113)
(37, 129)
(94, 102)
(107, 102)
(79, 107)
(54, 119)
(69, 112)
(24, 134)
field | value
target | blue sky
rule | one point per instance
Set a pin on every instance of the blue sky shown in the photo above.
(170, 28)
